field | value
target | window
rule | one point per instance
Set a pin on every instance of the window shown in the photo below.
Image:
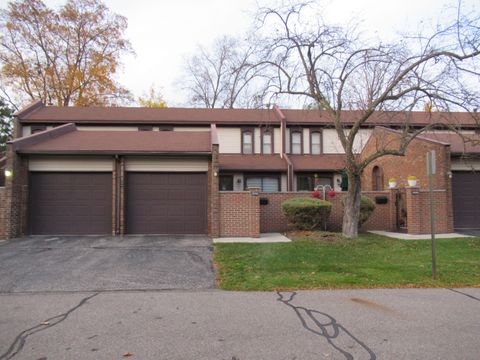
(247, 141)
(308, 182)
(267, 183)
(225, 183)
(165, 128)
(316, 142)
(296, 142)
(37, 128)
(2, 177)
(267, 146)
(377, 179)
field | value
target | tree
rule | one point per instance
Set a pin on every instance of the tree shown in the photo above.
(65, 57)
(336, 69)
(224, 76)
(6, 125)
(152, 99)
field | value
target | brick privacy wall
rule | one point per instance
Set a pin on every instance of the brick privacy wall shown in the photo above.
(273, 220)
(413, 163)
(418, 211)
(239, 214)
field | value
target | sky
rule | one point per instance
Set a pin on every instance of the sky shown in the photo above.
(164, 32)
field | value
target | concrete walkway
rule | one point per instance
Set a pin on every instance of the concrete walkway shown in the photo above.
(264, 238)
(403, 236)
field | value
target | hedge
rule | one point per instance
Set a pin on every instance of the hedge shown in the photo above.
(306, 213)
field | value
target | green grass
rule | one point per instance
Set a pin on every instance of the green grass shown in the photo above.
(369, 262)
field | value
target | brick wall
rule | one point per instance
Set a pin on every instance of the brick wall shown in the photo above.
(418, 211)
(273, 220)
(239, 213)
(14, 198)
(3, 213)
(413, 163)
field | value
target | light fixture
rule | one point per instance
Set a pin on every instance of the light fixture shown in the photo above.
(8, 173)
(215, 174)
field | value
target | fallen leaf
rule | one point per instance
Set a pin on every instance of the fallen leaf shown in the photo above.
(127, 354)
(45, 323)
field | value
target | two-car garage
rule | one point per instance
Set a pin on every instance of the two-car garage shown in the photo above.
(75, 196)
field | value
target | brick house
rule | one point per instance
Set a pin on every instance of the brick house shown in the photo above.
(201, 171)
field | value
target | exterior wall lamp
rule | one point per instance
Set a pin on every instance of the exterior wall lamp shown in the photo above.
(8, 173)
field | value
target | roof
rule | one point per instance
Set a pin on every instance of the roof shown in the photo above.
(268, 163)
(252, 162)
(140, 115)
(322, 162)
(459, 144)
(114, 142)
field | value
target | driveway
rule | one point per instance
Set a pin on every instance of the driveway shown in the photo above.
(91, 263)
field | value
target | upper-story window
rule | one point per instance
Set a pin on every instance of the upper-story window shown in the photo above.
(316, 142)
(296, 142)
(267, 143)
(247, 141)
(37, 128)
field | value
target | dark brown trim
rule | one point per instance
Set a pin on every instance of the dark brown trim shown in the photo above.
(34, 139)
(295, 130)
(252, 131)
(316, 130)
(270, 131)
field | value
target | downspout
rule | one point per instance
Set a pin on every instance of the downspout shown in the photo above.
(283, 153)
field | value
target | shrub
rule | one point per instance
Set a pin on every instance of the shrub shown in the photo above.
(367, 206)
(306, 213)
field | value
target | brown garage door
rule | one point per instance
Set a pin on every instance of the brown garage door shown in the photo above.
(466, 199)
(166, 203)
(70, 203)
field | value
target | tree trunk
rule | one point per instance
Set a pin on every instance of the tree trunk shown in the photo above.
(352, 207)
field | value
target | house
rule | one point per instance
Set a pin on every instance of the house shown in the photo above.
(153, 171)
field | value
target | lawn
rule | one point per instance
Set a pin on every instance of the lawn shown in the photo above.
(312, 261)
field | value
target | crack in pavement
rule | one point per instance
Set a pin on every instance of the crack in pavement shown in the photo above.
(464, 294)
(322, 329)
(19, 342)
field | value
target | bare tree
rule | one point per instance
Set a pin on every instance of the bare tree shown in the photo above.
(334, 68)
(224, 76)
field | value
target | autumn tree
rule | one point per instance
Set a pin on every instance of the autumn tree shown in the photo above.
(338, 70)
(223, 76)
(152, 99)
(67, 56)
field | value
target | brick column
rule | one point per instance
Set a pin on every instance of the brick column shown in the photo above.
(414, 210)
(213, 194)
(16, 195)
(121, 177)
(254, 212)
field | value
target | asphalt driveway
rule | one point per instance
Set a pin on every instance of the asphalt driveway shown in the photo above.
(92, 263)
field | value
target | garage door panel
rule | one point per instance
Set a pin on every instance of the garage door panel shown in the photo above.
(70, 203)
(466, 199)
(166, 203)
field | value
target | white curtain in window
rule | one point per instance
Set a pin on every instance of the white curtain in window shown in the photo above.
(316, 143)
(296, 143)
(267, 143)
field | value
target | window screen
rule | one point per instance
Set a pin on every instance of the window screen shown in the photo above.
(247, 141)
(267, 143)
(296, 142)
(316, 143)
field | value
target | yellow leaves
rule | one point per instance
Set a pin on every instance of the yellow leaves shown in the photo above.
(127, 354)
(152, 99)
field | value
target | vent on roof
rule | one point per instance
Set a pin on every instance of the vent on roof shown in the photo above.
(145, 128)
(165, 128)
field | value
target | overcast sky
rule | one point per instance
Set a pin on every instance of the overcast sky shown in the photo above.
(164, 32)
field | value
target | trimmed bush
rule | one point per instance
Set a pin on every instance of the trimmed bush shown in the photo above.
(367, 206)
(306, 213)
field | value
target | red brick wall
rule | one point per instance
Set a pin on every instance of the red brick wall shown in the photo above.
(413, 163)
(3, 213)
(239, 214)
(273, 220)
(418, 211)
